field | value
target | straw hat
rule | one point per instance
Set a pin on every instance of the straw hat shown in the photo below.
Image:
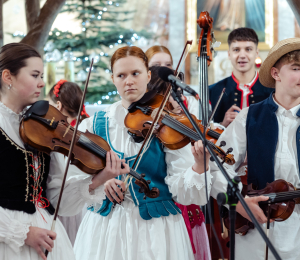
(277, 51)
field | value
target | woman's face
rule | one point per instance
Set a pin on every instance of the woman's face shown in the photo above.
(130, 77)
(161, 59)
(27, 85)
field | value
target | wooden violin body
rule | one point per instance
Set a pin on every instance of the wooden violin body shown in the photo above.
(44, 128)
(283, 197)
(173, 130)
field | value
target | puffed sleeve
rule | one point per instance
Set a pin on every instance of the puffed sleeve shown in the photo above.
(12, 231)
(186, 185)
(235, 137)
(76, 192)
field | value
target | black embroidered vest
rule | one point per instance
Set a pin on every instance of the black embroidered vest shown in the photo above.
(20, 187)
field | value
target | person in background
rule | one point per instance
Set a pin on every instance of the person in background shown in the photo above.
(66, 97)
(192, 214)
(242, 87)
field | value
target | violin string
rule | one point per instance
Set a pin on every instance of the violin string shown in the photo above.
(285, 193)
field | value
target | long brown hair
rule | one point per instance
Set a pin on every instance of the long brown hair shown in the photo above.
(13, 57)
(128, 51)
(70, 96)
(157, 49)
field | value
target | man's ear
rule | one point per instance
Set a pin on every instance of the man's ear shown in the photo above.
(275, 74)
(257, 52)
(6, 77)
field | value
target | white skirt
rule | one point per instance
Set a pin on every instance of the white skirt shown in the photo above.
(124, 235)
(62, 247)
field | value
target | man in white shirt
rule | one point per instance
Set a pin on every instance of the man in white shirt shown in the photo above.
(269, 133)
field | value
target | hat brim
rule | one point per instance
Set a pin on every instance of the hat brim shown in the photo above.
(277, 51)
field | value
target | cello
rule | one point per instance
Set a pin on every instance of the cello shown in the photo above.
(205, 57)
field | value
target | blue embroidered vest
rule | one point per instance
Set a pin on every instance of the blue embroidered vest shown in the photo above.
(262, 138)
(153, 165)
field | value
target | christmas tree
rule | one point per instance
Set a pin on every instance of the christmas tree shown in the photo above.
(101, 33)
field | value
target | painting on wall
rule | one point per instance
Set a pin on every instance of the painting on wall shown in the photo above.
(231, 14)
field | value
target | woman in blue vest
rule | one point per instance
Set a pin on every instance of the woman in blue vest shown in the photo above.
(270, 134)
(29, 185)
(137, 228)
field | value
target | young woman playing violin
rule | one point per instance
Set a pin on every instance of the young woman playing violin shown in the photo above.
(192, 214)
(28, 187)
(269, 132)
(136, 228)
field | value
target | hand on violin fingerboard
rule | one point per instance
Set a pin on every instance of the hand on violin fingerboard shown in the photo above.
(114, 167)
(254, 207)
(197, 151)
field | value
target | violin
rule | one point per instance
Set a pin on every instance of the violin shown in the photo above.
(46, 129)
(173, 130)
(282, 199)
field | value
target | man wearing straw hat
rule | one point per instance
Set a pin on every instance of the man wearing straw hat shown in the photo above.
(269, 132)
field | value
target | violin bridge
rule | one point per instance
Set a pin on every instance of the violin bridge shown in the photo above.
(67, 130)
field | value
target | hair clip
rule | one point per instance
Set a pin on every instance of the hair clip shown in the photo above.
(57, 86)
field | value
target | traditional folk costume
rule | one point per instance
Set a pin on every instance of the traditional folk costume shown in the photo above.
(241, 95)
(192, 214)
(29, 187)
(137, 229)
(272, 154)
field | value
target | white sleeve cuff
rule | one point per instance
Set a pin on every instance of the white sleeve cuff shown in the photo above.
(16, 235)
(95, 196)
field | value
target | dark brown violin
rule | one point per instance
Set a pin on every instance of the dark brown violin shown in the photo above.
(44, 128)
(173, 130)
(282, 196)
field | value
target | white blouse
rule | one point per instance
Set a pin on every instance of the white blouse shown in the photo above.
(121, 232)
(14, 225)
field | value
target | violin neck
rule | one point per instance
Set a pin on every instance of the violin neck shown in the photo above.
(282, 196)
(89, 144)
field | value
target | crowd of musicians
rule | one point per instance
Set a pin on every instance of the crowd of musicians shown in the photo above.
(259, 113)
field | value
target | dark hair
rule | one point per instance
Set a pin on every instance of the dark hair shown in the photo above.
(157, 83)
(70, 96)
(128, 51)
(13, 57)
(242, 34)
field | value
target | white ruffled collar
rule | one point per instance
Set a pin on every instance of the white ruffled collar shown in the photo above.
(116, 113)
(6, 110)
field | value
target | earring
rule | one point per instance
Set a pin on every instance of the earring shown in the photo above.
(9, 86)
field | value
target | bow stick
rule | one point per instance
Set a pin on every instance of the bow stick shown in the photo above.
(70, 153)
(157, 116)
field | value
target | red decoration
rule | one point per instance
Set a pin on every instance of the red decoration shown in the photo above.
(57, 86)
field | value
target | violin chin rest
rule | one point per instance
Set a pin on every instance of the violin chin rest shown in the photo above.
(39, 108)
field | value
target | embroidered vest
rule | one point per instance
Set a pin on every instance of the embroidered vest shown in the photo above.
(262, 138)
(234, 95)
(20, 188)
(153, 165)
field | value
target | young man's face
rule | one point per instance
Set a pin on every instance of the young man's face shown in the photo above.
(289, 78)
(242, 55)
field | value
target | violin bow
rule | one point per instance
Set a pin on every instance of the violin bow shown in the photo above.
(268, 229)
(70, 153)
(157, 116)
